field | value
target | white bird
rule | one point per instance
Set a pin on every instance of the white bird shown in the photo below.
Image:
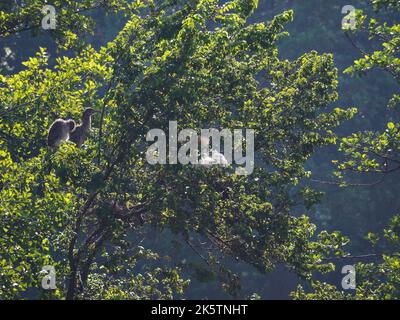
(216, 157)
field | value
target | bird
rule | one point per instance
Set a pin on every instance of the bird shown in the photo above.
(59, 131)
(216, 158)
(79, 134)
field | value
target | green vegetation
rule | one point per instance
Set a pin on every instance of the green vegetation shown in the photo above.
(373, 152)
(95, 213)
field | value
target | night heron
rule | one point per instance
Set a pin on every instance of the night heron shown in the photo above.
(216, 158)
(60, 130)
(79, 134)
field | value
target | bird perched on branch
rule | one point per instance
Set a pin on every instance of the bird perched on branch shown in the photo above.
(79, 134)
(216, 158)
(59, 131)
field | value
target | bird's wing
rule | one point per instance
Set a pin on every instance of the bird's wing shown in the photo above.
(55, 133)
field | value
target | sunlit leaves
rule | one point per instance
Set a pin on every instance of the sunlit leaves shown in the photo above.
(72, 19)
(200, 64)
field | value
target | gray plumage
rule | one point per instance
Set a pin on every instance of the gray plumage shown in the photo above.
(59, 131)
(79, 134)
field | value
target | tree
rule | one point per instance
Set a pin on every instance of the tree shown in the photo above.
(375, 152)
(197, 62)
(72, 21)
(375, 280)
(372, 153)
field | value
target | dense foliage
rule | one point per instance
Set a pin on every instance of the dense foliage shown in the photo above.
(71, 22)
(205, 64)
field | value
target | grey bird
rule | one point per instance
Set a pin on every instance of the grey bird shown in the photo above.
(79, 134)
(59, 131)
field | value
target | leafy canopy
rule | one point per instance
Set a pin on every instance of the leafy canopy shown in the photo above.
(83, 210)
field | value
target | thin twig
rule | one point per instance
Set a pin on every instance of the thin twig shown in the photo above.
(362, 256)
